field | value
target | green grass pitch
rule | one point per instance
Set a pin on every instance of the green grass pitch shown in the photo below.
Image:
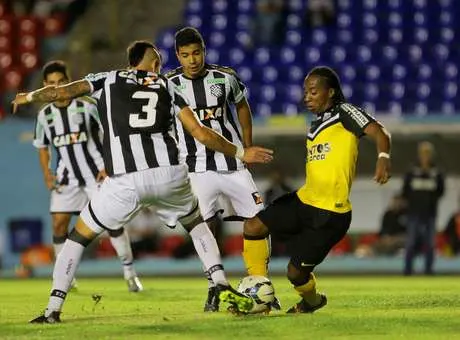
(171, 308)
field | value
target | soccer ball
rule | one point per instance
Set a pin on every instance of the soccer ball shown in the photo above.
(260, 290)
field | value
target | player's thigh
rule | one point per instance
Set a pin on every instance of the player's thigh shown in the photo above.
(205, 186)
(176, 201)
(112, 205)
(68, 199)
(318, 237)
(282, 217)
(240, 189)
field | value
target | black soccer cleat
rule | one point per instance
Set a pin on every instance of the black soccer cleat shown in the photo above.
(241, 303)
(54, 317)
(304, 307)
(212, 302)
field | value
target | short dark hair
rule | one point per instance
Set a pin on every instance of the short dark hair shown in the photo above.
(55, 66)
(136, 51)
(332, 81)
(187, 36)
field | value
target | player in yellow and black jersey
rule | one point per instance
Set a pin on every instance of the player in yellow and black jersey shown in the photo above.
(315, 217)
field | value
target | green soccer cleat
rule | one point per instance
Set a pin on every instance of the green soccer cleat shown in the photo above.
(54, 317)
(304, 307)
(240, 302)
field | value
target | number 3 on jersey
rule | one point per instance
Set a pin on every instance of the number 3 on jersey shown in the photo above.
(148, 111)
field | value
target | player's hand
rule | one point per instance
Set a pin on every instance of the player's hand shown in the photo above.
(20, 99)
(50, 181)
(101, 175)
(382, 170)
(257, 154)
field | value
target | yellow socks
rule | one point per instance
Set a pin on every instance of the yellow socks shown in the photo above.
(308, 291)
(256, 255)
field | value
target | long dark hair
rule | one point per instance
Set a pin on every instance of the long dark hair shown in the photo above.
(332, 81)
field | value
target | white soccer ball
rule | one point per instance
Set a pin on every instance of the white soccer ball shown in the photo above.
(260, 290)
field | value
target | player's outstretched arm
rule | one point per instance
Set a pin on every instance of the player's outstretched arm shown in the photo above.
(217, 142)
(245, 118)
(382, 138)
(53, 93)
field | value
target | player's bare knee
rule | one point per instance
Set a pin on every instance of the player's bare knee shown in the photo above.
(84, 230)
(60, 224)
(298, 276)
(253, 227)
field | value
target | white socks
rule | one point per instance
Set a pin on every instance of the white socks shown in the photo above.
(64, 270)
(125, 254)
(208, 251)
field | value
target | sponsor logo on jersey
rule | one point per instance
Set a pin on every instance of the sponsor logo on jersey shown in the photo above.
(318, 152)
(257, 198)
(70, 138)
(216, 81)
(210, 113)
(217, 90)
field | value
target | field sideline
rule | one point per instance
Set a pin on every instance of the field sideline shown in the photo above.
(359, 308)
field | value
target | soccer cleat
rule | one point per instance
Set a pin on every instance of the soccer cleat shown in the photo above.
(304, 307)
(241, 303)
(212, 302)
(276, 304)
(134, 284)
(54, 317)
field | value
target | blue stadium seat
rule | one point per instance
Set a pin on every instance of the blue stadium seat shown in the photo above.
(288, 56)
(236, 56)
(245, 73)
(245, 6)
(212, 56)
(450, 71)
(312, 55)
(294, 21)
(263, 109)
(219, 6)
(262, 56)
(269, 75)
(293, 38)
(243, 22)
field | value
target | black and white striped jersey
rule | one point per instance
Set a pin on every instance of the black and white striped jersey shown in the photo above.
(74, 131)
(137, 116)
(209, 96)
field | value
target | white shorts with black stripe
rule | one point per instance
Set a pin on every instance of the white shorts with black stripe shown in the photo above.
(238, 187)
(72, 198)
(120, 197)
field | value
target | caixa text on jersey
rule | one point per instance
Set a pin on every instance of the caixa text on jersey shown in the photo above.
(70, 138)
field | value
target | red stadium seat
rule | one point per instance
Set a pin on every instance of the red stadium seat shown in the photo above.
(6, 26)
(5, 44)
(368, 239)
(105, 248)
(233, 245)
(28, 42)
(6, 60)
(29, 60)
(28, 25)
(344, 246)
(168, 244)
(54, 25)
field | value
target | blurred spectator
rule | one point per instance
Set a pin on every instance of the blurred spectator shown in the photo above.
(452, 233)
(268, 25)
(143, 232)
(278, 185)
(393, 229)
(423, 187)
(320, 13)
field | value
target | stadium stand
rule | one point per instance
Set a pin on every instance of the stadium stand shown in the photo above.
(393, 56)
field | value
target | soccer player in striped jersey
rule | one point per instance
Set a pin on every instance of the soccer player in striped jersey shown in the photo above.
(313, 219)
(211, 90)
(142, 163)
(73, 129)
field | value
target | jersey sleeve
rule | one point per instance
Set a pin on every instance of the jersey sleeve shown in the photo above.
(96, 80)
(354, 119)
(40, 138)
(178, 99)
(238, 90)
